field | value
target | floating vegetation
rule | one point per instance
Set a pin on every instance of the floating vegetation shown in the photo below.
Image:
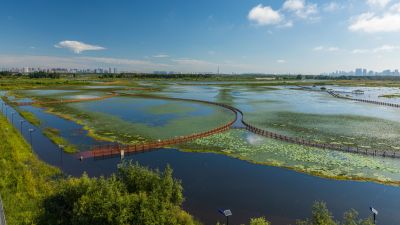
(332, 164)
(397, 95)
(339, 129)
(142, 119)
(54, 135)
(30, 117)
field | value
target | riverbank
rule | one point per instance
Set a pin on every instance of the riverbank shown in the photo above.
(24, 180)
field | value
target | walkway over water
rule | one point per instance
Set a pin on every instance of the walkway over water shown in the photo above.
(238, 122)
(337, 95)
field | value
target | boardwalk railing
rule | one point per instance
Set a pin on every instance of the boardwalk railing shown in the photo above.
(2, 215)
(304, 142)
(336, 95)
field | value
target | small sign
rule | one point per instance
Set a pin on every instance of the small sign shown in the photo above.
(226, 212)
(374, 211)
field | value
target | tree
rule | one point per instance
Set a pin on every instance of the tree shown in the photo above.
(320, 216)
(134, 195)
(259, 221)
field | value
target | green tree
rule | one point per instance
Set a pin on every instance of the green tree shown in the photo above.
(320, 216)
(134, 195)
(259, 221)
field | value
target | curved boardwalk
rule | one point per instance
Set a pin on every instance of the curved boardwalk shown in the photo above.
(336, 95)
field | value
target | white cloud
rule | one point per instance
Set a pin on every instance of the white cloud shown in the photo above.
(395, 8)
(161, 56)
(264, 15)
(77, 46)
(326, 49)
(281, 61)
(378, 3)
(287, 24)
(300, 8)
(381, 49)
(331, 7)
(294, 5)
(372, 23)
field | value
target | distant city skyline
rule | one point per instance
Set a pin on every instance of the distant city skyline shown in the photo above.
(230, 36)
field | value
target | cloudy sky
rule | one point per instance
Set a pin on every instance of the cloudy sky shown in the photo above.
(292, 36)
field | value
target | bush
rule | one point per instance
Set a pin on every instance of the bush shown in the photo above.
(134, 195)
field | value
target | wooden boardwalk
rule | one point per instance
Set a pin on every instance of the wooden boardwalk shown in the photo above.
(336, 95)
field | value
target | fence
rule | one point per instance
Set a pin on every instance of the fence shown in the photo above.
(336, 95)
(300, 141)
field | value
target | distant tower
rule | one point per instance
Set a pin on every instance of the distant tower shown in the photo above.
(218, 70)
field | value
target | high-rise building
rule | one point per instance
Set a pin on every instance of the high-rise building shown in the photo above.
(115, 70)
(364, 72)
(359, 72)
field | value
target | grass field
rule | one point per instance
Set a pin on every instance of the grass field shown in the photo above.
(24, 179)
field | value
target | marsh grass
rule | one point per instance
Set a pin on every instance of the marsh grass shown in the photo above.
(24, 180)
(54, 135)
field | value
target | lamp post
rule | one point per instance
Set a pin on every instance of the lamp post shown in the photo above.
(12, 118)
(20, 125)
(30, 134)
(374, 212)
(227, 213)
(61, 147)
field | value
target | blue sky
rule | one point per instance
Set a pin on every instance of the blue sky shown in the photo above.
(292, 36)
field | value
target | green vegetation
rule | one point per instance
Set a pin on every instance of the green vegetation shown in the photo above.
(322, 216)
(54, 135)
(109, 127)
(30, 117)
(24, 180)
(134, 195)
(35, 193)
(349, 130)
(390, 96)
(325, 163)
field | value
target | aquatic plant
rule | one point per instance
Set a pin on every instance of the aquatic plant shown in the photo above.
(54, 135)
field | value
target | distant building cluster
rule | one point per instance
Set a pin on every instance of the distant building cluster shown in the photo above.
(364, 72)
(26, 70)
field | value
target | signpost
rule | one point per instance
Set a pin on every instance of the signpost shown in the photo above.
(227, 213)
